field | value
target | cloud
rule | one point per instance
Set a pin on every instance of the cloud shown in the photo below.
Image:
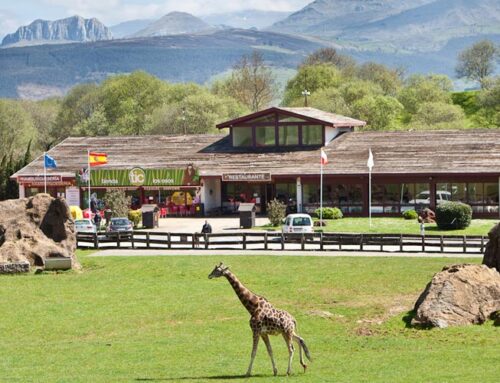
(8, 23)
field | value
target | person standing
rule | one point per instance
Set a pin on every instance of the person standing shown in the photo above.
(207, 228)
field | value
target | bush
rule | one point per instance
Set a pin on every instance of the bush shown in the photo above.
(276, 212)
(135, 216)
(329, 213)
(410, 214)
(453, 215)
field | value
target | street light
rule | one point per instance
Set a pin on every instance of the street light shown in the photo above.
(305, 93)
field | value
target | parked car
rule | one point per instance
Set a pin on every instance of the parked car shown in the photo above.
(120, 224)
(298, 223)
(424, 197)
(85, 226)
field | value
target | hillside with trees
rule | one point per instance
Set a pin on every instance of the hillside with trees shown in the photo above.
(140, 103)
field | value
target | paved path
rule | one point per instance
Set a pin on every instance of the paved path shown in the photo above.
(145, 252)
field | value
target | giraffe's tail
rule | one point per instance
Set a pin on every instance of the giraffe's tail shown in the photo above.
(304, 346)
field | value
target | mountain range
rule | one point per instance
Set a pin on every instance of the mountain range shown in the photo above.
(418, 35)
(71, 29)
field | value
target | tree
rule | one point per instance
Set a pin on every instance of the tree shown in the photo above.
(312, 78)
(16, 129)
(329, 100)
(118, 202)
(388, 79)
(439, 115)
(421, 89)
(477, 63)
(251, 82)
(380, 112)
(489, 103)
(330, 56)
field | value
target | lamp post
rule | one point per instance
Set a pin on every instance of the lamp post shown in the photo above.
(305, 93)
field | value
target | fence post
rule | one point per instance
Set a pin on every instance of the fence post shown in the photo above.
(465, 243)
(118, 240)
(244, 241)
(265, 240)
(401, 243)
(147, 239)
(193, 240)
(169, 239)
(381, 242)
(340, 242)
(482, 244)
(132, 240)
(282, 241)
(96, 241)
(302, 242)
(321, 241)
(423, 243)
(361, 242)
(206, 240)
(442, 244)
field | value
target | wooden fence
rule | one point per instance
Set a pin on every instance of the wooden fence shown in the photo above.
(260, 240)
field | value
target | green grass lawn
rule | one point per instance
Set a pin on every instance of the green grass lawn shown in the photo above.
(397, 226)
(133, 319)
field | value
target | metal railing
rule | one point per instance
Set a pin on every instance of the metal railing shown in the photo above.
(257, 240)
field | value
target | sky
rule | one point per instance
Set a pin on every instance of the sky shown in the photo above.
(14, 13)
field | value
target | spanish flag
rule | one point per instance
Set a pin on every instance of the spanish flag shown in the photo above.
(96, 159)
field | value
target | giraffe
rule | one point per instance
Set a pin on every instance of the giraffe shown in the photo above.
(265, 320)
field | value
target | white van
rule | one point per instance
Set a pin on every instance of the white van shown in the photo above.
(298, 223)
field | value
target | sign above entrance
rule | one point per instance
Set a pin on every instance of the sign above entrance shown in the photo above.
(38, 179)
(142, 177)
(248, 177)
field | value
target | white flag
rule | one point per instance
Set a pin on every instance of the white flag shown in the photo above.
(370, 162)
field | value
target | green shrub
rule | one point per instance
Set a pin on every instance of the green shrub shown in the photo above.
(118, 202)
(410, 214)
(135, 216)
(453, 215)
(329, 213)
(276, 212)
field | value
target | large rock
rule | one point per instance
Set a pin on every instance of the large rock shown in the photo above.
(34, 229)
(492, 252)
(459, 295)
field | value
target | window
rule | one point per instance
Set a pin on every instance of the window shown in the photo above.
(242, 136)
(265, 135)
(286, 118)
(312, 134)
(289, 135)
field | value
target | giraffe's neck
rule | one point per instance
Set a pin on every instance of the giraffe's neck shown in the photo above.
(247, 298)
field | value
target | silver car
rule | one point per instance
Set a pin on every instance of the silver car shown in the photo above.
(85, 226)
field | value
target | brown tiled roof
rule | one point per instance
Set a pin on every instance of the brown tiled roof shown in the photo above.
(418, 152)
(311, 114)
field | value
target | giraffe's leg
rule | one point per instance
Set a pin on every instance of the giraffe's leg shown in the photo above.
(265, 338)
(289, 344)
(302, 363)
(254, 351)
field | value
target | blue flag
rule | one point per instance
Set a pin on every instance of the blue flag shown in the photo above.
(49, 162)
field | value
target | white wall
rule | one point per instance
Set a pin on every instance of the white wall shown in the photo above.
(331, 133)
(22, 193)
(211, 200)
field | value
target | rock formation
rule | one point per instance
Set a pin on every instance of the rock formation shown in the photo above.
(492, 252)
(72, 29)
(459, 295)
(34, 229)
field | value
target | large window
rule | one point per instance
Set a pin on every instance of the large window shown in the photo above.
(482, 197)
(265, 136)
(397, 198)
(347, 197)
(242, 136)
(312, 134)
(289, 135)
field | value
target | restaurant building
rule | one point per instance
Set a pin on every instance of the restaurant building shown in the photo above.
(275, 153)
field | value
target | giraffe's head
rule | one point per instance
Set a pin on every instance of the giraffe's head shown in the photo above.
(218, 271)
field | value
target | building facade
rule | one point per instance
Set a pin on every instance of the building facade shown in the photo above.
(275, 153)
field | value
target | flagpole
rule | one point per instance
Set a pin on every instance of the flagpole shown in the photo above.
(370, 196)
(88, 169)
(321, 192)
(44, 174)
